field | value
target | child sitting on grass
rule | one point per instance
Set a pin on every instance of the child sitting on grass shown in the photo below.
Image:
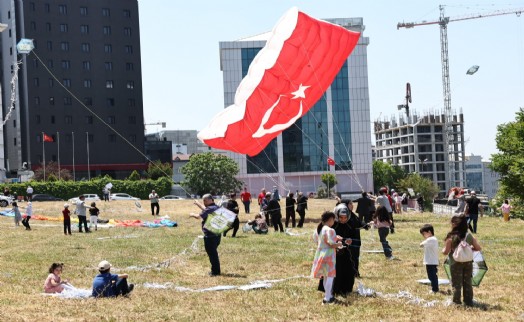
(53, 282)
(430, 245)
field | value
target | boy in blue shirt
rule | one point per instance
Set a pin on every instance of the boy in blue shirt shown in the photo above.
(106, 284)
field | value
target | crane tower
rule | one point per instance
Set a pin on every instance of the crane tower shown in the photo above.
(455, 177)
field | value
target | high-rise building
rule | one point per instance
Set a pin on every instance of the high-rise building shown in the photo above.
(480, 177)
(417, 144)
(337, 126)
(81, 85)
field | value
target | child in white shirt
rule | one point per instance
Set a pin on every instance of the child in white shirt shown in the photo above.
(430, 245)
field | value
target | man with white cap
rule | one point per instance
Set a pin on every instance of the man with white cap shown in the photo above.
(106, 284)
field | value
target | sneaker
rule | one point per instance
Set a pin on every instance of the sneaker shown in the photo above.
(130, 289)
(330, 301)
(390, 258)
(212, 274)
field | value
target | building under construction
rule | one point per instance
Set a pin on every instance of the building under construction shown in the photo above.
(418, 144)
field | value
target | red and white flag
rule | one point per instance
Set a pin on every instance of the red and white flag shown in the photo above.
(48, 138)
(287, 77)
(330, 161)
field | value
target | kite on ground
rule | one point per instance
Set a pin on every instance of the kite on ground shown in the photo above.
(286, 78)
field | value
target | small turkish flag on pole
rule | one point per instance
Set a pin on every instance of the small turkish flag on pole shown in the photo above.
(48, 138)
(330, 161)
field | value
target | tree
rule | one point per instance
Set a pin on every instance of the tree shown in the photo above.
(210, 173)
(386, 175)
(329, 179)
(134, 176)
(425, 186)
(509, 162)
(157, 169)
(51, 168)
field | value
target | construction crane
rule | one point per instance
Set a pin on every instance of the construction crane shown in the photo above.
(443, 22)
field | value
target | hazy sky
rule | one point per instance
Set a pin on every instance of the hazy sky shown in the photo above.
(182, 80)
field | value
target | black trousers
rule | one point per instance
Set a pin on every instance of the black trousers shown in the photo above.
(302, 214)
(236, 225)
(432, 276)
(82, 220)
(67, 226)
(211, 243)
(290, 214)
(277, 222)
(25, 222)
(153, 205)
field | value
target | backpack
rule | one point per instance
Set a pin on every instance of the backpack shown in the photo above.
(463, 252)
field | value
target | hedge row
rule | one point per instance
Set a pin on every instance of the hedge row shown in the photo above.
(70, 189)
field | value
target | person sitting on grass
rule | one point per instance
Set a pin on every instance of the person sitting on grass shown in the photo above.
(106, 284)
(53, 282)
(259, 224)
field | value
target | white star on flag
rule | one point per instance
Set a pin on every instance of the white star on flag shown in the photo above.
(300, 92)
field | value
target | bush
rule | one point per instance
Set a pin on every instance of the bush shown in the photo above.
(70, 189)
(134, 176)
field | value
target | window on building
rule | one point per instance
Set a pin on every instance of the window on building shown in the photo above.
(14, 141)
(66, 82)
(66, 64)
(108, 65)
(64, 46)
(131, 102)
(14, 123)
(10, 33)
(111, 119)
(106, 12)
(48, 26)
(32, 6)
(37, 119)
(84, 29)
(108, 48)
(68, 119)
(69, 137)
(86, 47)
(130, 66)
(37, 100)
(130, 84)
(49, 45)
(86, 65)
(128, 49)
(51, 82)
(127, 32)
(50, 63)
(112, 138)
(87, 83)
(36, 81)
(62, 9)
(89, 119)
(32, 25)
(68, 100)
(11, 51)
(52, 119)
(110, 102)
(88, 101)
(63, 27)
(109, 84)
(127, 13)
(90, 138)
(106, 30)
(83, 11)
(131, 119)
(51, 101)
(132, 138)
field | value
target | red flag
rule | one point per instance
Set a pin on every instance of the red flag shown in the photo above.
(330, 161)
(287, 77)
(48, 138)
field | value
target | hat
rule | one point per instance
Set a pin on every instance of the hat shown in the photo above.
(473, 192)
(268, 194)
(66, 205)
(341, 210)
(104, 265)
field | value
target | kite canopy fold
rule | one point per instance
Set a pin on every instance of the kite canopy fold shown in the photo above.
(288, 76)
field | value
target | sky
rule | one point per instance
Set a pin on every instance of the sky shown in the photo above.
(182, 81)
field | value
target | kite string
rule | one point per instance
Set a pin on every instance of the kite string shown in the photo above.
(14, 81)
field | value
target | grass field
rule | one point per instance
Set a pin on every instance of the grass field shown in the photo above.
(26, 255)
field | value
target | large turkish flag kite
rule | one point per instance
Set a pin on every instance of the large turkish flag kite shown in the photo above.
(287, 77)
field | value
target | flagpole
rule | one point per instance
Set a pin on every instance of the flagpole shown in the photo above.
(43, 152)
(74, 173)
(88, 168)
(58, 145)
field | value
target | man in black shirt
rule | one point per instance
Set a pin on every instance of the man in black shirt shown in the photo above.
(472, 211)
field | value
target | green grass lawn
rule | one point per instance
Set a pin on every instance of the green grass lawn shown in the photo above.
(26, 255)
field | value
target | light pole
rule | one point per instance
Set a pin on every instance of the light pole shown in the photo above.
(423, 163)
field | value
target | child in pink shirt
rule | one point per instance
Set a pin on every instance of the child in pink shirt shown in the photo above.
(53, 282)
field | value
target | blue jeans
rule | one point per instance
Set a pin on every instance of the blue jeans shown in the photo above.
(246, 206)
(211, 243)
(432, 276)
(473, 218)
(383, 232)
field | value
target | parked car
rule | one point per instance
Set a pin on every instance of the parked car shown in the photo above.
(172, 197)
(45, 197)
(88, 197)
(122, 196)
(5, 201)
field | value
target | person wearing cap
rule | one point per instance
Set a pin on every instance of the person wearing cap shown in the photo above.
(153, 197)
(232, 205)
(67, 219)
(211, 240)
(106, 284)
(472, 211)
(301, 208)
(80, 212)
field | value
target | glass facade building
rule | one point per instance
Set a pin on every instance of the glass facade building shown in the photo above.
(337, 126)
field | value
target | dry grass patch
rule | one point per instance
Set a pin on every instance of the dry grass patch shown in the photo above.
(25, 257)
